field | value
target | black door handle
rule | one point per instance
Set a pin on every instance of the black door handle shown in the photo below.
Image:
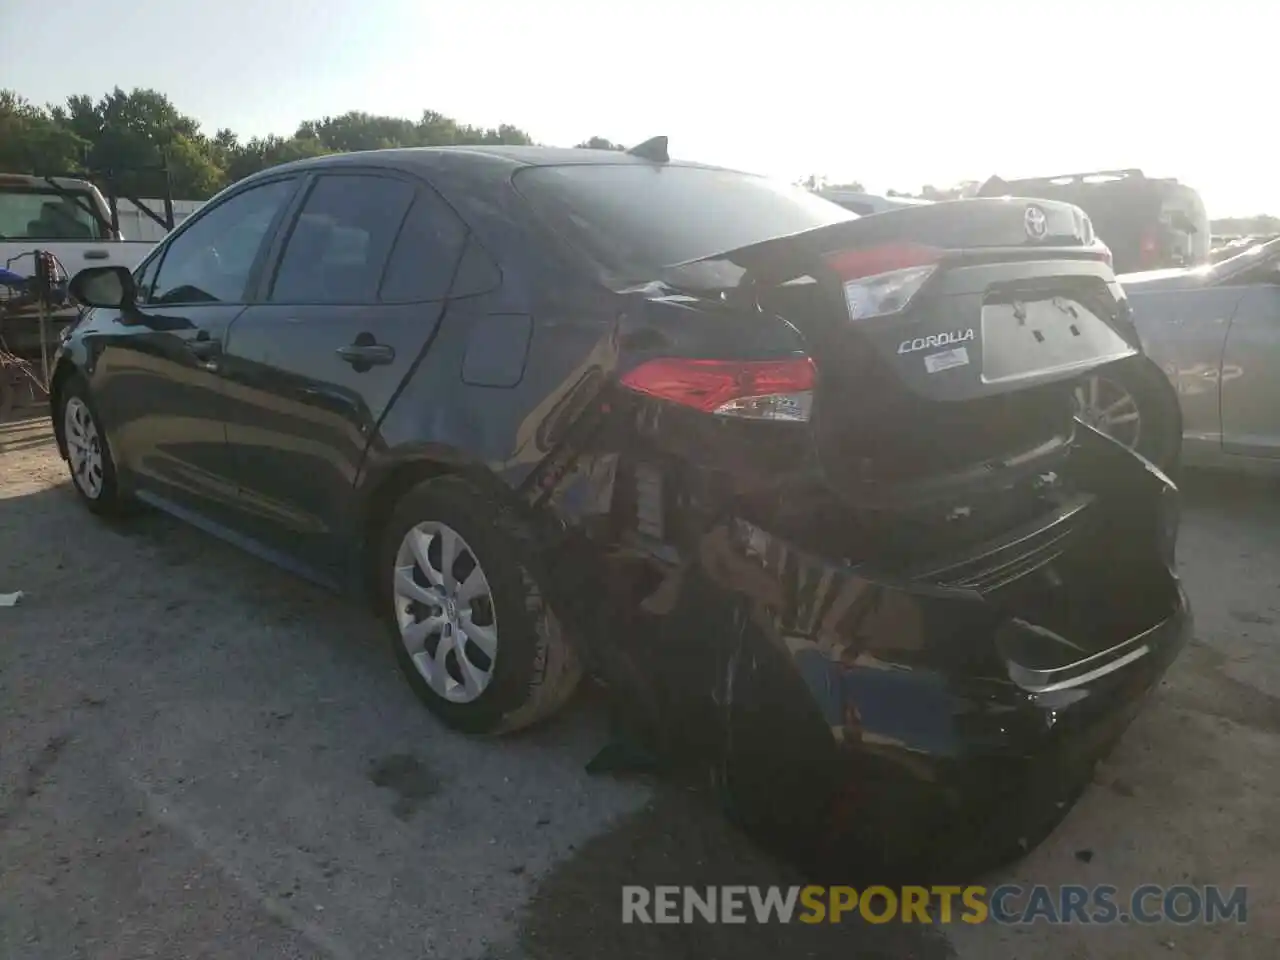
(367, 354)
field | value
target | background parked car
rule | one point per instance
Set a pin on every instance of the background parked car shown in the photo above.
(1148, 223)
(1215, 332)
(865, 204)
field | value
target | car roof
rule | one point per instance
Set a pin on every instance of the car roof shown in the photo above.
(497, 158)
(37, 183)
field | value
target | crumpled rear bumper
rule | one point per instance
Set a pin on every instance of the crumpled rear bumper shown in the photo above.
(894, 717)
(1020, 754)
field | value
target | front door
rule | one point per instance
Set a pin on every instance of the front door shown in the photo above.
(156, 377)
(1250, 377)
(356, 294)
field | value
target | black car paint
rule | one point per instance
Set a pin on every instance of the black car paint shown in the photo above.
(732, 606)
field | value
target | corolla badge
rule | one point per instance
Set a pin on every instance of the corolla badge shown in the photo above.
(1036, 222)
(936, 340)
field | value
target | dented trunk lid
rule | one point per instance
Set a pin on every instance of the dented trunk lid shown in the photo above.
(953, 411)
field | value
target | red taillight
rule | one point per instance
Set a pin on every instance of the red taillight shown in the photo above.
(1149, 252)
(755, 389)
(857, 264)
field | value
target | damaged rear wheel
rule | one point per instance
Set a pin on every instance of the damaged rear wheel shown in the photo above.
(1133, 404)
(470, 626)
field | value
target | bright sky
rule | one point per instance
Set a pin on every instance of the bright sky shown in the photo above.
(895, 94)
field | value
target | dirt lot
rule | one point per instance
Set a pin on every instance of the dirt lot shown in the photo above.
(203, 757)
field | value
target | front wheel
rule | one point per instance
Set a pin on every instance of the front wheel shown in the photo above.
(93, 471)
(470, 626)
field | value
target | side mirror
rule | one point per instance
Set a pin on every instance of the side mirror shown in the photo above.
(104, 287)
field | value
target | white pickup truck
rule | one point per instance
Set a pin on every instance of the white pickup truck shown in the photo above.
(68, 218)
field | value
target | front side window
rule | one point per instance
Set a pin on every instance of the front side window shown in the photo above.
(338, 248)
(210, 260)
(145, 277)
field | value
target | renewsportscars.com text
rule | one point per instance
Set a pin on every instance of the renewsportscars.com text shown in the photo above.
(1007, 904)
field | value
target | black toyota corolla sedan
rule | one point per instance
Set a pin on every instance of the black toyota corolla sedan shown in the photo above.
(804, 490)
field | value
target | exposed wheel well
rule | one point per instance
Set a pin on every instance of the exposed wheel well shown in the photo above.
(61, 375)
(380, 502)
(1169, 390)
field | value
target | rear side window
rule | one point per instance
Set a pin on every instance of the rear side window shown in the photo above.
(341, 241)
(426, 253)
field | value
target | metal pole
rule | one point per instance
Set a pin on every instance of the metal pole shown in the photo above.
(113, 202)
(44, 291)
(43, 314)
(168, 193)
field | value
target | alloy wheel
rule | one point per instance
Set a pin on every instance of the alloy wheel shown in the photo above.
(1109, 408)
(84, 447)
(445, 612)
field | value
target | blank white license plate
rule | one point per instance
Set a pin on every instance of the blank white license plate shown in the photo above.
(1035, 337)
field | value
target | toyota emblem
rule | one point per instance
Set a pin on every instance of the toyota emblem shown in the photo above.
(1036, 222)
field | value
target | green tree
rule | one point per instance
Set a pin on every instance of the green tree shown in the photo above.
(132, 136)
(262, 152)
(33, 140)
(600, 143)
(816, 181)
(366, 131)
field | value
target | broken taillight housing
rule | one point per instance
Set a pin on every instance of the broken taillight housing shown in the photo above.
(883, 280)
(748, 389)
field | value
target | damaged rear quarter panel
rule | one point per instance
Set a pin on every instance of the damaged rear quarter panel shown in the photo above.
(745, 630)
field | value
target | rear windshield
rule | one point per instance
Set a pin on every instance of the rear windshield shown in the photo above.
(35, 214)
(634, 220)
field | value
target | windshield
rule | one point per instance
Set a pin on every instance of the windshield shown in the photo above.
(636, 220)
(36, 214)
(1243, 261)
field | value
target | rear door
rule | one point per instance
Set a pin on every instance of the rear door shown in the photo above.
(356, 293)
(156, 377)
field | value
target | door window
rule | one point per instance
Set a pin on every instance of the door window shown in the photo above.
(210, 260)
(144, 278)
(340, 243)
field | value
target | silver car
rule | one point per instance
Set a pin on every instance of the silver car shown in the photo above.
(1214, 331)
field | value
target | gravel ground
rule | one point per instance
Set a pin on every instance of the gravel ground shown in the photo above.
(201, 756)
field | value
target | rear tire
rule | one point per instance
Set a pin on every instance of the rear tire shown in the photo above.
(1156, 434)
(93, 471)
(458, 583)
